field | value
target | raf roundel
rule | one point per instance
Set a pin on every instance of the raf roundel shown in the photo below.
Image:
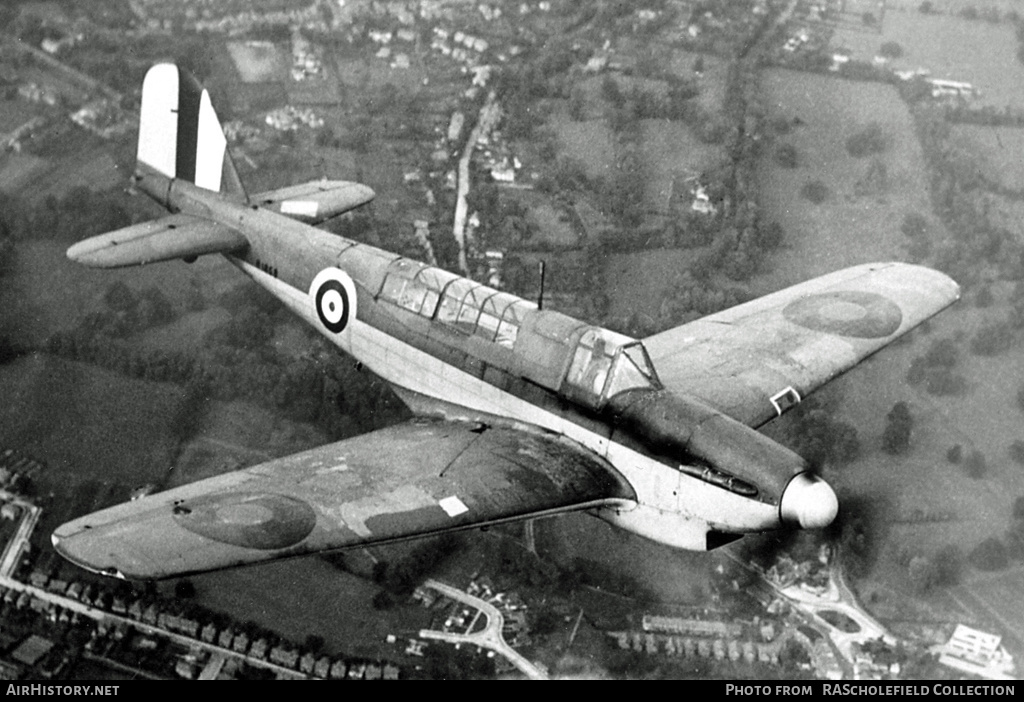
(334, 298)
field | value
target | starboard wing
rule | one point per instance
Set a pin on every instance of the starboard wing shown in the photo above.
(756, 360)
(413, 479)
(163, 239)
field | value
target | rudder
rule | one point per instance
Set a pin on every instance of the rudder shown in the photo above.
(179, 133)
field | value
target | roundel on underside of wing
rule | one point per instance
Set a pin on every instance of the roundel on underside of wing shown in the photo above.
(854, 313)
(334, 298)
(263, 521)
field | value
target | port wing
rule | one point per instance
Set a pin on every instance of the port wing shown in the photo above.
(409, 480)
(756, 360)
(164, 239)
(316, 201)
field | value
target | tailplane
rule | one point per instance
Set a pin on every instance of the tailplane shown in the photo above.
(180, 135)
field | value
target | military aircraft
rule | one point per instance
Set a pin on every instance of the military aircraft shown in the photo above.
(521, 412)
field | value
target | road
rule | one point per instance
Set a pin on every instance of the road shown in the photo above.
(489, 115)
(490, 637)
(15, 547)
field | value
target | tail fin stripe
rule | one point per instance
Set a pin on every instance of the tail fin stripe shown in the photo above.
(211, 148)
(189, 96)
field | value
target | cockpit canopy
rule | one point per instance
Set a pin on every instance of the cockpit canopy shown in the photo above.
(605, 364)
(461, 303)
(585, 364)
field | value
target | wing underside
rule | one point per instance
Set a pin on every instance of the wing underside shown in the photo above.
(756, 360)
(410, 480)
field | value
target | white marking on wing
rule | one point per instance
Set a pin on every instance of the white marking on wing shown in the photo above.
(303, 208)
(453, 506)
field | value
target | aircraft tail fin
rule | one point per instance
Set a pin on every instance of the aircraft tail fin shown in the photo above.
(179, 133)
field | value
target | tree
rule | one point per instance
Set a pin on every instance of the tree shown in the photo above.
(923, 574)
(611, 92)
(314, 643)
(990, 554)
(896, 437)
(914, 225)
(815, 191)
(955, 454)
(976, 466)
(786, 156)
(949, 565)
(891, 49)
(1017, 451)
(577, 103)
(868, 141)
(993, 338)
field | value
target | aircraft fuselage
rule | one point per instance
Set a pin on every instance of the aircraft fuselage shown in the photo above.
(452, 346)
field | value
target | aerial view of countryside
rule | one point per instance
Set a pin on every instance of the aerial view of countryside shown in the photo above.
(633, 165)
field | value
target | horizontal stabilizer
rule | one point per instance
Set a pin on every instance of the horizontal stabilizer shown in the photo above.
(413, 479)
(164, 239)
(315, 201)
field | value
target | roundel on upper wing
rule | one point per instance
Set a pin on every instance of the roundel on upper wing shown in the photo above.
(856, 313)
(334, 299)
(263, 521)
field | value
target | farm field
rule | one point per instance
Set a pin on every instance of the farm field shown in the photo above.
(951, 47)
(18, 170)
(996, 152)
(674, 576)
(47, 293)
(305, 596)
(712, 82)
(996, 596)
(1009, 214)
(87, 423)
(847, 228)
(259, 62)
(93, 170)
(590, 142)
(638, 282)
(671, 155)
(14, 113)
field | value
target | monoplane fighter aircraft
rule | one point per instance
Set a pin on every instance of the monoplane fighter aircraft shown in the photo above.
(521, 412)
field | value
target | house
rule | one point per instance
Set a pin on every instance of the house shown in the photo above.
(284, 656)
(32, 650)
(978, 653)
